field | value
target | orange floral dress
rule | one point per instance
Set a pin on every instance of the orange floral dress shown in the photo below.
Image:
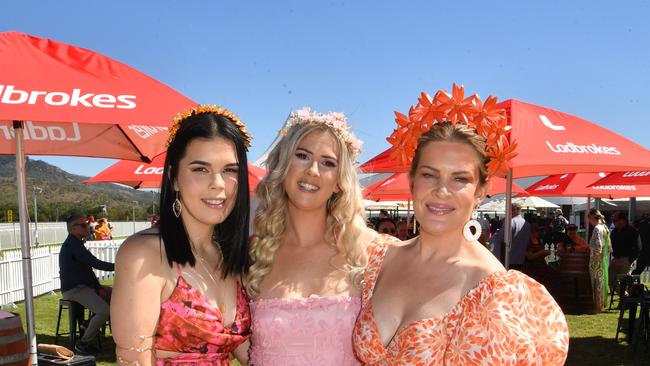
(506, 319)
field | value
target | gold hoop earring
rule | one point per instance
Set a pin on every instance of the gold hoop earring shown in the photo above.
(177, 208)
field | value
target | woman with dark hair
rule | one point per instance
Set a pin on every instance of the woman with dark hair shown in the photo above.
(178, 297)
(460, 307)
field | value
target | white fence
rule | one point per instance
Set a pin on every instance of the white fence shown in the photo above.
(55, 232)
(45, 269)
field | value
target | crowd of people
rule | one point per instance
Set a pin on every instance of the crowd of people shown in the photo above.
(612, 242)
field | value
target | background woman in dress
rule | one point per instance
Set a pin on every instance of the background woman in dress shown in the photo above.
(460, 306)
(600, 247)
(308, 247)
(177, 298)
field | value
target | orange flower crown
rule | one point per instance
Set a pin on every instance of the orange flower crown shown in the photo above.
(488, 121)
(204, 108)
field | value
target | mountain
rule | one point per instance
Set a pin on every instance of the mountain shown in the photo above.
(63, 193)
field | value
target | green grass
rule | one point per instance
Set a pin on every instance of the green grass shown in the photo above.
(592, 337)
(45, 314)
(592, 342)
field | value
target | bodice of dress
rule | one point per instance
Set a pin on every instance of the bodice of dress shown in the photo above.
(303, 331)
(188, 324)
(506, 319)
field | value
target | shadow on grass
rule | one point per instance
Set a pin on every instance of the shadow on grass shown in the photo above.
(597, 351)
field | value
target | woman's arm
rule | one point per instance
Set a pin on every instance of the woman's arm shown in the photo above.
(135, 304)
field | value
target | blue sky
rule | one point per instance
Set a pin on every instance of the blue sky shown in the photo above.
(262, 59)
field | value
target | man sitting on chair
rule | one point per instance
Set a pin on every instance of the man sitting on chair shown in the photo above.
(79, 283)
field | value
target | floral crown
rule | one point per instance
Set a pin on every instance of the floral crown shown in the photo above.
(335, 120)
(204, 108)
(488, 121)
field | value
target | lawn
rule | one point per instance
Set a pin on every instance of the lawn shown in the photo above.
(592, 337)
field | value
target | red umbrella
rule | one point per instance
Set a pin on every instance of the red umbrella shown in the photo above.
(580, 185)
(638, 178)
(382, 163)
(142, 175)
(396, 188)
(58, 99)
(77, 102)
(553, 142)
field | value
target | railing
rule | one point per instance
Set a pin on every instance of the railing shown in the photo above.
(45, 268)
(55, 232)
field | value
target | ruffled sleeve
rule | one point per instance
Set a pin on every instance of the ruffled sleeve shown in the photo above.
(513, 321)
(376, 251)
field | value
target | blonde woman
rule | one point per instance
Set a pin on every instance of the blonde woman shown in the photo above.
(308, 248)
(600, 247)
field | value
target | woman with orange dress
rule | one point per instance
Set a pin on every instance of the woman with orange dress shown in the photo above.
(102, 231)
(461, 307)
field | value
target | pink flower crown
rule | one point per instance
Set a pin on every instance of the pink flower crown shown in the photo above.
(337, 122)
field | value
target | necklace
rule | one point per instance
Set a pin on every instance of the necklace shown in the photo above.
(202, 261)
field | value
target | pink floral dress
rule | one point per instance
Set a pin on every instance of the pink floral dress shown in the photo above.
(190, 325)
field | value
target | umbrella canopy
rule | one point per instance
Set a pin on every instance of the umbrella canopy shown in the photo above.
(58, 99)
(77, 102)
(396, 188)
(638, 178)
(580, 185)
(553, 142)
(142, 175)
(382, 163)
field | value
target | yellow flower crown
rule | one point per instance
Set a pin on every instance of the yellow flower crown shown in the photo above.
(204, 108)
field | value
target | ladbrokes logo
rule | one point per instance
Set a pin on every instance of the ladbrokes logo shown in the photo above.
(571, 148)
(10, 95)
(637, 174)
(41, 133)
(152, 170)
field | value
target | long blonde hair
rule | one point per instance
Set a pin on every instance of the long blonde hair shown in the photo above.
(345, 210)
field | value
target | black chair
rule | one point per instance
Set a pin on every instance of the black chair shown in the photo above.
(643, 334)
(77, 322)
(76, 314)
(623, 283)
(630, 302)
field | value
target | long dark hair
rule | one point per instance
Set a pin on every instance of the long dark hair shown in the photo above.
(232, 234)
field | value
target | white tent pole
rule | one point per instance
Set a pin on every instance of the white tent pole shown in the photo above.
(507, 225)
(24, 239)
(408, 213)
(631, 210)
(587, 218)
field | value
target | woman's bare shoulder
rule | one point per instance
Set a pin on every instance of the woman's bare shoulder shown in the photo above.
(145, 247)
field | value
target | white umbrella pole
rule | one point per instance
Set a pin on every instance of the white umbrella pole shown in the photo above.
(507, 225)
(587, 218)
(408, 213)
(24, 240)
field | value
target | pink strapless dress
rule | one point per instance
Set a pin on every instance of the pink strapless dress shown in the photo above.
(310, 331)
